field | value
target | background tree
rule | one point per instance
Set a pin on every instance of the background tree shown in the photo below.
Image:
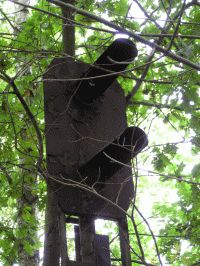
(162, 92)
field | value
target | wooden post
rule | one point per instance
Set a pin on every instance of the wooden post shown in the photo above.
(52, 241)
(68, 29)
(102, 250)
(124, 242)
(77, 243)
(87, 236)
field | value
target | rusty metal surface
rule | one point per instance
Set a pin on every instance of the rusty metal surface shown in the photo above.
(113, 157)
(74, 136)
(108, 66)
(116, 194)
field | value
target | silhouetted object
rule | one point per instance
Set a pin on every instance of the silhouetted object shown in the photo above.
(90, 146)
(107, 67)
(113, 157)
(87, 138)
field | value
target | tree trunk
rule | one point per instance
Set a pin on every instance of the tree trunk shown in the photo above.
(27, 202)
(27, 206)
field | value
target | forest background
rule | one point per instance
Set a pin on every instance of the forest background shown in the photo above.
(162, 93)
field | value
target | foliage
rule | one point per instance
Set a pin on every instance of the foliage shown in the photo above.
(162, 97)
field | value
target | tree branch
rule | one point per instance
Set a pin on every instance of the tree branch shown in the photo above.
(130, 33)
(30, 115)
(9, 21)
(177, 26)
(137, 37)
(9, 178)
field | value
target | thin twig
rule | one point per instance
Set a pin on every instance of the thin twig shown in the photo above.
(177, 26)
(9, 21)
(160, 105)
(152, 234)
